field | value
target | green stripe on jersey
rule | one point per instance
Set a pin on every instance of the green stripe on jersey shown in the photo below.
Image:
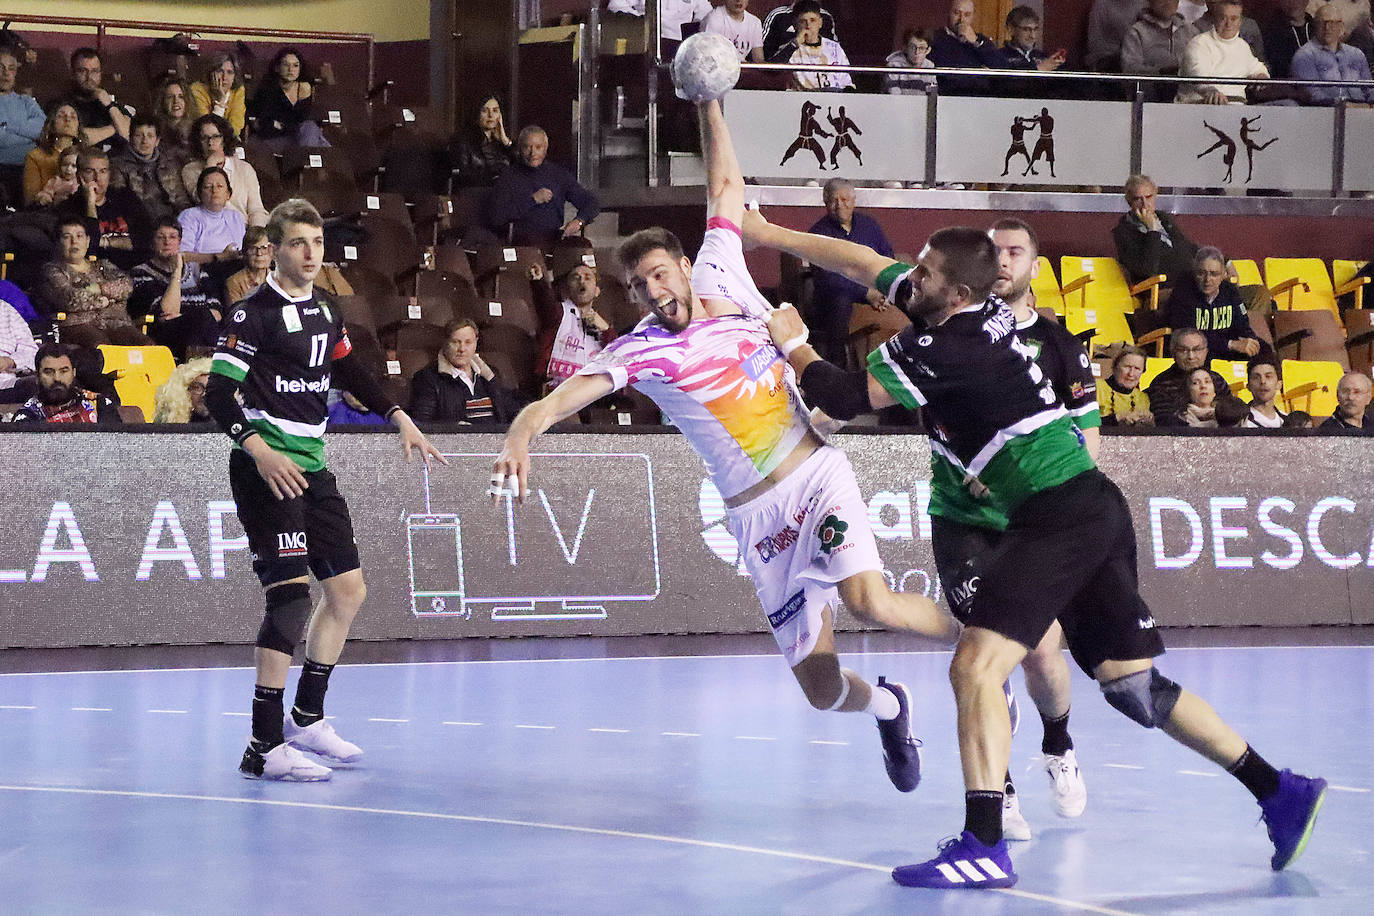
(306, 451)
(894, 381)
(890, 276)
(231, 368)
(950, 499)
(1045, 458)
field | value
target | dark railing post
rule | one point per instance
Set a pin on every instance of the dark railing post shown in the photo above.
(1137, 128)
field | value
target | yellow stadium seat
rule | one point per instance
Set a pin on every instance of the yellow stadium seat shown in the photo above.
(1310, 385)
(138, 373)
(1153, 366)
(1302, 283)
(1342, 273)
(1046, 288)
(1104, 298)
(1247, 272)
(1235, 375)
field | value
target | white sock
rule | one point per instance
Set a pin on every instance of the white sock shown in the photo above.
(883, 704)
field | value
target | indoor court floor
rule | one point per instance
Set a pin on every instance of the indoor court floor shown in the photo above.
(650, 775)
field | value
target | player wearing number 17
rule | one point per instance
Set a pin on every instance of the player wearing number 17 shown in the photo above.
(704, 356)
(278, 353)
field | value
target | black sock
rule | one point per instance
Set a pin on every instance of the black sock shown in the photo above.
(1056, 740)
(1255, 773)
(309, 707)
(983, 816)
(267, 716)
(1007, 787)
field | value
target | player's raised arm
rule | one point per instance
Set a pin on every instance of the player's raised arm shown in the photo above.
(724, 183)
(856, 262)
(512, 467)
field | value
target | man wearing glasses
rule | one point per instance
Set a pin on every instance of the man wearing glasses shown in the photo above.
(104, 122)
(1168, 393)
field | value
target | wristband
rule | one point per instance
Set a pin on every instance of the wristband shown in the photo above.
(791, 344)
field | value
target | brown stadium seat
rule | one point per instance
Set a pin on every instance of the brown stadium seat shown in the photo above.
(502, 270)
(452, 258)
(389, 248)
(508, 311)
(366, 281)
(419, 336)
(614, 304)
(356, 312)
(1359, 327)
(452, 288)
(1308, 335)
(512, 354)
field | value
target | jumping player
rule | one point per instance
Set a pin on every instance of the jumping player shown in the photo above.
(278, 353)
(704, 356)
(1069, 549)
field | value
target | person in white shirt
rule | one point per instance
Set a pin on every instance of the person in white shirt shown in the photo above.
(1220, 52)
(672, 14)
(17, 349)
(1265, 383)
(743, 28)
(808, 47)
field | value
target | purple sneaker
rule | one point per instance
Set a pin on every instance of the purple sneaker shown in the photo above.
(963, 862)
(901, 752)
(1290, 814)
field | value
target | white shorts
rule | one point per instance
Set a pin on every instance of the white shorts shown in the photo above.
(799, 540)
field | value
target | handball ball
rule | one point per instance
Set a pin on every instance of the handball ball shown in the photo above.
(705, 67)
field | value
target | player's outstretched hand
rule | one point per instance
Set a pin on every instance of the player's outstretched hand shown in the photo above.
(284, 477)
(510, 474)
(754, 225)
(787, 329)
(412, 439)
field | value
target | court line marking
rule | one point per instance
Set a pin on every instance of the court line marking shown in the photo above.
(9, 706)
(1123, 766)
(1198, 773)
(834, 743)
(625, 658)
(462, 723)
(171, 712)
(1348, 789)
(538, 825)
(243, 715)
(754, 738)
(611, 731)
(681, 734)
(393, 721)
(91, 709)
(542, 728)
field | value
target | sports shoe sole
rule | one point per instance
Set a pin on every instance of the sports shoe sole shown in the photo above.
(1306, 833)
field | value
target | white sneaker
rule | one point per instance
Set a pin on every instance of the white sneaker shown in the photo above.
(1067, 791)
(1014, 826)
(283, 763)
(321, 739)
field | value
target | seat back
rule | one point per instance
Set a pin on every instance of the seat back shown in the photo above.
(1320, 377)
(1344, 271)
(1318, 294)
(1153, 366)
(1309, 334)
(1102, 304)
(1359, 328)
(1247, 272)
(1045, 286)
(138, 373)
(1235, 374)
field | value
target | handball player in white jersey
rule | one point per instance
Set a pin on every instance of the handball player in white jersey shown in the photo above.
(704, 355)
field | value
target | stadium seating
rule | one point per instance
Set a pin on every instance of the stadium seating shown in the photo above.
(138, 372)
(1309, 334)
(1046, 288)
(1311, 385)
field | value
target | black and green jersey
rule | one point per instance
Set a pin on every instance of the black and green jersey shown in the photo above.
(992, 413)
(279, 350)
(1065, 364)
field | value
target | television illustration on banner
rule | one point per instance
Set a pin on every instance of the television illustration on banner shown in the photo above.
(585, 538)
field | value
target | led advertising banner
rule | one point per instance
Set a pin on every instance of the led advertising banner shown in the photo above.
(131, 538)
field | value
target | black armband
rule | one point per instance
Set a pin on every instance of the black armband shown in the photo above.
(352, 376)
(224, 407)
(842, 395)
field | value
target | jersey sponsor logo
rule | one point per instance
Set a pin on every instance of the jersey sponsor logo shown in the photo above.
(1083, 360)
(831, 533)
(239, 316)
(291, 544)
(310, 311)
(1147, 624)
(231, 342)
(291, 318)
(999, 324)
(758, 362)
(789, 610)
(1076, 390)
(775, 544)
(925, 340)
(300, 386)
(961, 593)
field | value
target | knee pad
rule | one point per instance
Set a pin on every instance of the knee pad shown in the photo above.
(1147, 697)
(288, 614)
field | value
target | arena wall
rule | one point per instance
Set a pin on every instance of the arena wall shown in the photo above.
(131, 538)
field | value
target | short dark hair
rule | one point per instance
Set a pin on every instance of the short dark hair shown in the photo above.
(73, 220)
(88, 153)
(1020, 15)
(82, 53)
(52, 350)
(644, 241)
(915, 32)
(806, 6)
(225, 129)
(1180, 333)
(1264, 359)
(457, 324)
(970, 259)
(1012, 224)
(206, 173)
(295, 210)
(280, 55)
(167, 222)
(145, 120)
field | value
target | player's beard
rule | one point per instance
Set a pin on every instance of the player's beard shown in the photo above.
(674, 309)
(56, 393)
(1016, 289)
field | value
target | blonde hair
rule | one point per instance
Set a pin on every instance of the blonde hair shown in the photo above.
(172, 403)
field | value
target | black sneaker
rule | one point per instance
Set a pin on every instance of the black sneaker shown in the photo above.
(901, 752)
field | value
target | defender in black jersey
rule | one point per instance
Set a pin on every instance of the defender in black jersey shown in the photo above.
(1069, 549)
(278, 353)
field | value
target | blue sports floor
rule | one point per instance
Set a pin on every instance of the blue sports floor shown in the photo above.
(659, 784)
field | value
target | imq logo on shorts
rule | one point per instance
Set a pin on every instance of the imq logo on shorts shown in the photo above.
(291, 544)
(789, 610)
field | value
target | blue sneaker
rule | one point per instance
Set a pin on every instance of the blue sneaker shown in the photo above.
(901, 752)
(1013, 708)
(1290, 814)
(963, 862)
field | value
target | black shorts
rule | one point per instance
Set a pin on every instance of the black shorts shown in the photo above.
(1069, 554)
(958, 549)
(288, 536)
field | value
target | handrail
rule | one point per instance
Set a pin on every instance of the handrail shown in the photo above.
(101, 25)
